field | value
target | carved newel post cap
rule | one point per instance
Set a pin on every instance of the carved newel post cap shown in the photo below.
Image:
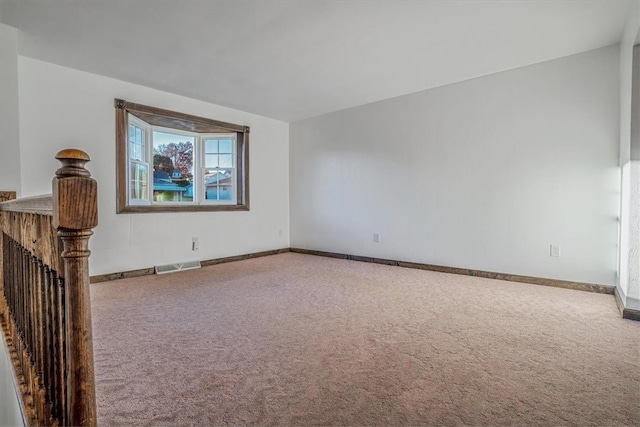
(72, 153)
(73, 161)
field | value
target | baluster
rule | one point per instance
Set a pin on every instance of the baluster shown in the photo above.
(25, 306)
(33, 341)
(47, 371)
(50, 378)
(37, 336)
(41, 337)
(28, 284)
(20, 295)
(7, 271)
(18, 302)
(61, 351)
(33, 317)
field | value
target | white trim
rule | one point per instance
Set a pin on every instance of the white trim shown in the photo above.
(18, 401)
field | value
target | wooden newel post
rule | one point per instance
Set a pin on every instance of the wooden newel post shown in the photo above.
(75, 213)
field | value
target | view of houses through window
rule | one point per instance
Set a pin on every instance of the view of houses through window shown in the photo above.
(186, 167)
(172, 167)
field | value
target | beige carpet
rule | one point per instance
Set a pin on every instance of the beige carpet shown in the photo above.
(294, 339)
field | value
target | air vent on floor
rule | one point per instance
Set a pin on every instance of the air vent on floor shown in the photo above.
(178, 266)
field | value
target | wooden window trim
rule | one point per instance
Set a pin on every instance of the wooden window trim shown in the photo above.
(180, 121)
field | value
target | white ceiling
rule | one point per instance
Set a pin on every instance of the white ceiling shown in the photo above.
(296, 59)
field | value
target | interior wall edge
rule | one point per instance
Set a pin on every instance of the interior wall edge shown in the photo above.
(625, 312)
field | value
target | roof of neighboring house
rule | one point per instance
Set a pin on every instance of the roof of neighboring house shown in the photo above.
(162, 182)
(161, 175)
(217, 178)
(167, 187)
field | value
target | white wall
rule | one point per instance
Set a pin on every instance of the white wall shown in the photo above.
(629, 255)
(629, 282)
(626, 59)
(61, 107)
(483, 174)
(9, 130)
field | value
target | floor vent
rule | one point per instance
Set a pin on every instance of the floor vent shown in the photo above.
(178, 266)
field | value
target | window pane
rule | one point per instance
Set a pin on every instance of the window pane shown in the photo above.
(211, 145)
(136, 143)
(168, 196)
(225, 193)
(211, 193)
(218, 184)
(211, 161)
(226, 160)
(226, 146)
(172, 167)
(167, 189)
(138, 181)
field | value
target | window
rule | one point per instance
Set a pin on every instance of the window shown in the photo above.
(138, 163)
(169, 161)
(218, 168)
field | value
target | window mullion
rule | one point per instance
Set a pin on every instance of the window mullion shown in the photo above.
(148, 140)
(198, 171)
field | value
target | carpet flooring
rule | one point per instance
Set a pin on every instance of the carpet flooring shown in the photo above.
(295, 339)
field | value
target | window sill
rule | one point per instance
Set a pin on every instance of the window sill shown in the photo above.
(175, 208)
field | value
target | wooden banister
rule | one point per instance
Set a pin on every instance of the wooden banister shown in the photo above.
(45, 310)
(37, 204)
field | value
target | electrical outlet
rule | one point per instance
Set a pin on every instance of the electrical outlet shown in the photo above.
(554, 251)
(195, 244)
(376, 237)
